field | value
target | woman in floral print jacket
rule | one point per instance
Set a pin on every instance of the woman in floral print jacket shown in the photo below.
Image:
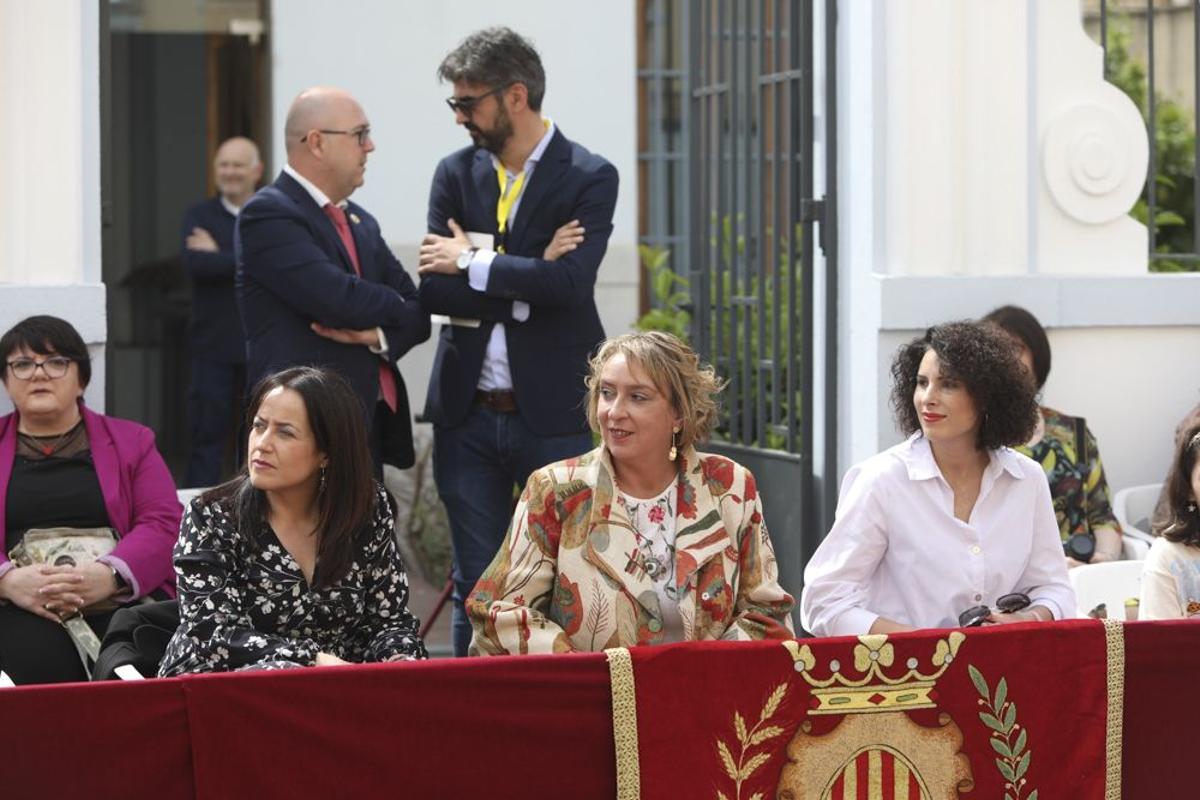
(643, 540)
(294, 562)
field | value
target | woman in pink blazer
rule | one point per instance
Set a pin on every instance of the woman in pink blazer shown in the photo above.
(62, 465)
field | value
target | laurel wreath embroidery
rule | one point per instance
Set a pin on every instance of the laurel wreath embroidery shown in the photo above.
(739, 770)
(1001, 718)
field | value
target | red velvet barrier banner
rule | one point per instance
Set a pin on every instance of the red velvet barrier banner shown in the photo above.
(1023, 712)
(1162, 710)
(533, 727)
(1015, 712)
(127, 740)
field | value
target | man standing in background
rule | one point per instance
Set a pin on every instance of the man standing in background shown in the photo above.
(518, 225)
(317, 284)
(217, 343)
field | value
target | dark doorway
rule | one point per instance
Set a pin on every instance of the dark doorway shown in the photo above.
(169, 97)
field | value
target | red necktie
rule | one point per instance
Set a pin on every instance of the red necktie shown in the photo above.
(387, 382)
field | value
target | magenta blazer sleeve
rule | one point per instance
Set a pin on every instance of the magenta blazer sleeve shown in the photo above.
(139, 494)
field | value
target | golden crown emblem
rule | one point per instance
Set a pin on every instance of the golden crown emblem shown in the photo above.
(874, 690)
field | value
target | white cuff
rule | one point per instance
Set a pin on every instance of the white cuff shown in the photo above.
(382, 350)
(852, 622)
(520, 311)
(481, 267)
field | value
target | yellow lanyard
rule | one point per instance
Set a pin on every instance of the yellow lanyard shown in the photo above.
(509, 192)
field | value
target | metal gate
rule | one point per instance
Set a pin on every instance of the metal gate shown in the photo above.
(755, 225)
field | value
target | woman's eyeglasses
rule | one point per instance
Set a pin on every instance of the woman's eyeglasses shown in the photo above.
(54, 367)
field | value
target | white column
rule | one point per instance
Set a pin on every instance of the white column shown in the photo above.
(50, 169)
(994, 108)
(984, 160)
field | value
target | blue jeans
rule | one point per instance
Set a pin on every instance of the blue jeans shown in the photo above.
(476, 465)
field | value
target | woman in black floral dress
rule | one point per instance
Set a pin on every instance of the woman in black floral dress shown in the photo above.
(293, 563)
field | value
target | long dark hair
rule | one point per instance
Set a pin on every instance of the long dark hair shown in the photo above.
(347, 503)
(1183, 523)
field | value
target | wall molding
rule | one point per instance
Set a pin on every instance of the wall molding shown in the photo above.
(1058, 301)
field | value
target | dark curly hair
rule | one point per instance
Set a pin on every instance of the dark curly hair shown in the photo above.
(1183, 523)
(979, 356)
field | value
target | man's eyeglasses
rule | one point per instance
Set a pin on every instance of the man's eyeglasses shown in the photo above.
(467, 105)
(362, 134)
(54, 367)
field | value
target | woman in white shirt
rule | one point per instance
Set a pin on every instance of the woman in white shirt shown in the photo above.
(1171, 574)
(951, 518)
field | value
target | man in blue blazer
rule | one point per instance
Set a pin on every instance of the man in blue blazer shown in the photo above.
(518, 225)
(317, 284)
(217, 343)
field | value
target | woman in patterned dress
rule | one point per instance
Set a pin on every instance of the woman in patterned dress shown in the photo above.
(1067, 451)
(1171, 574)
(643, 540)
(294, 562)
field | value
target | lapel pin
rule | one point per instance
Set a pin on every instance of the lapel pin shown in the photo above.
(354, 218)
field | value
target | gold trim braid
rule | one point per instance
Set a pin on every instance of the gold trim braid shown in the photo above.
(625, 730)
(1114, 640)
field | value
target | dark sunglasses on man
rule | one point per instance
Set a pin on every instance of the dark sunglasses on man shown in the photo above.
(467, 105)
(975, 616)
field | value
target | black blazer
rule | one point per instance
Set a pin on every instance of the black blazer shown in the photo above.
(215, 328)
(548, 353)
(292, 270)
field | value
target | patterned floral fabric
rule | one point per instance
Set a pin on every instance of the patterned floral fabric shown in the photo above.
(653, 523)
(1082, 502)
(1170, 581)
(244, 602)
(570, 575)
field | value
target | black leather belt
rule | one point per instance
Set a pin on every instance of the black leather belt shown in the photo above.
(502, 401)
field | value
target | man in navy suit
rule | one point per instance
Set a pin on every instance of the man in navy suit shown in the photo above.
(316, 283)
(518, 225)
(217, 342)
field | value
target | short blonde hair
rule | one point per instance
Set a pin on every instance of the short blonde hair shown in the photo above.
(675, 369)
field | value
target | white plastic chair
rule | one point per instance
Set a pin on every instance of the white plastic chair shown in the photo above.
(187, 495)
(1133, 548)
(1133, 507)
(1111, 583)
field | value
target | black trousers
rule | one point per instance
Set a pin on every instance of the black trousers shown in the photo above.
(36, 650)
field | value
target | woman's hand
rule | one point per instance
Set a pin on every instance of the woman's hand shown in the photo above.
(77, 588)
(25, 588)
(566, 239)
(327, 660)
(1033, 614)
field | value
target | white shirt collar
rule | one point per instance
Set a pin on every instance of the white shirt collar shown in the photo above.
(228, 206)
(538, 151)
(918, 460)
(319, 197)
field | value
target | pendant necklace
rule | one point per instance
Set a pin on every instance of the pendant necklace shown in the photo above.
(48, 450)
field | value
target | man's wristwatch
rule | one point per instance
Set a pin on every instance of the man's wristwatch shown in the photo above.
(466, 256)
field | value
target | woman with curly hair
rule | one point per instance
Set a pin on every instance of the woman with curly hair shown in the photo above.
(952, 520)
(1171, 574)
(1067, 451)
(643, 540)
